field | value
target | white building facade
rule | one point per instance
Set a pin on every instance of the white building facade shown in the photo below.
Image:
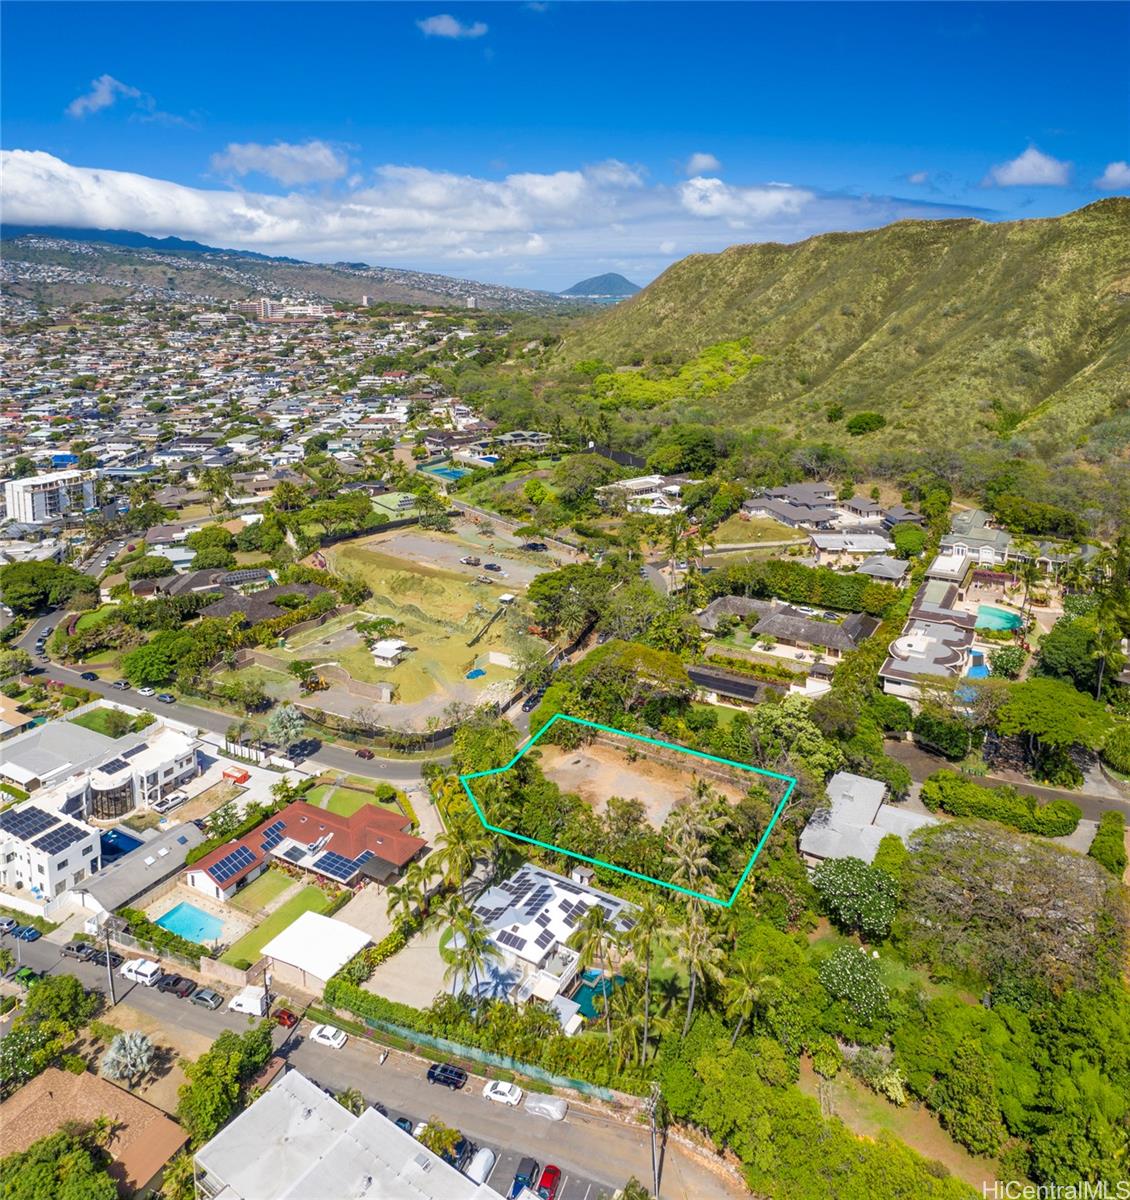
(41, 498)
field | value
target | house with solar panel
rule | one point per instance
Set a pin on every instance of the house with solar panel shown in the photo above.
(530, 918)
(43, 855)
(372, 844)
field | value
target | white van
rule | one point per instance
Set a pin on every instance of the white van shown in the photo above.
(479, 1168)
(252, 1000)
(142, 970)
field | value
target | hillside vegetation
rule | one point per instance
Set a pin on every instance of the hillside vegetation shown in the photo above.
(950, 329)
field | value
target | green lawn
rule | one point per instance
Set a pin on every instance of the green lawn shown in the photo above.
(96, 616)
(97, 720)
(344, 801)
(250, 946)
(260, 892)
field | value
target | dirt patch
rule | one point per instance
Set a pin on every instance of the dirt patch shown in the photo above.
(596, 772)
(209, 800)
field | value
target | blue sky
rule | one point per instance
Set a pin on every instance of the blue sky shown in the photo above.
(539, 143)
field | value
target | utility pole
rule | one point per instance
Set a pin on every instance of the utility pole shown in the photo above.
(652, 1106)
(109, 925)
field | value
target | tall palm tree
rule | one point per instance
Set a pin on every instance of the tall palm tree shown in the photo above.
(745, 991)
(702, 956)
(674, 532)
(474, 952)
(458, 846)
(352, 1101)
(1108, 639)
(594, 939)
(651, 920)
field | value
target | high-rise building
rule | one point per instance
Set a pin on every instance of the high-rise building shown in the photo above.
(41, 498)
(472, 302)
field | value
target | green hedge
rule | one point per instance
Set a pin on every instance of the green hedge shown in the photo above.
(949, 737)
(962, 798)
(744, 666)
(361, 966)
(1109, 845)
(157, 936)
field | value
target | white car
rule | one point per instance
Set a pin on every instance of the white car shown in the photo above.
(327, 1035)
(551, 1107)
(147, 691)
(503, 1093)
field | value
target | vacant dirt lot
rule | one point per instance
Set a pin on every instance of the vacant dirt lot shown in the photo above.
(596, 772)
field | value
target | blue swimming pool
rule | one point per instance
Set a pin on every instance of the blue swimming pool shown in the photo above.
(989, 617)
(594, 985)
(115, 844)
(188, 921)
(977, 666)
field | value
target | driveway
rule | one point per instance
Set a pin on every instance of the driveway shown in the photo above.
(415, 975)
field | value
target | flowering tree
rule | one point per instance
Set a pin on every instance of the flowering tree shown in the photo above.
(852, 975)
(857, 896)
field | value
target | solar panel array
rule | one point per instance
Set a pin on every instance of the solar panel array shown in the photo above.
(511, 939)
(544, 939)
(340, 867)
(231, 864)
(295, 854)
(114, 766)
(27, 823)
(133, 750)
(272, 835)
(58, 839)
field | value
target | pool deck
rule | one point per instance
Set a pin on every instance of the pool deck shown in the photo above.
(235, 923)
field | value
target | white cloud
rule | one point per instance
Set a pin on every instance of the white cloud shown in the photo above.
(918, 177)
(564, 221)
(104, 91)
(1116, 175)
(1031, 169)
(446, 26)
(712, 198)
(701, 163)
(311, 162)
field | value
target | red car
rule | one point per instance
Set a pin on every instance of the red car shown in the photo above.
(286, 1018)
(363, 753)
(547, 1184)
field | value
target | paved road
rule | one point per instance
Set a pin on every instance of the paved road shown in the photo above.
(595, 1152)
(922, 764)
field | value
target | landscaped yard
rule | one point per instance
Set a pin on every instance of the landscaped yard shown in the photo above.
(260, 892)
(250, 946)
(736, 530)
(97, 720)
(344, 801)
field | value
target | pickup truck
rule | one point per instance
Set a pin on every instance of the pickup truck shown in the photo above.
(470, 560)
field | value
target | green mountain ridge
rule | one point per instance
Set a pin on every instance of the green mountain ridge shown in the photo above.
(609, 284)
(950, 329)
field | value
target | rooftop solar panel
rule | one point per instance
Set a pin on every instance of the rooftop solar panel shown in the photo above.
(133, 750)
(56, 840)
(231, 865)
(27, 823)
(544, 938)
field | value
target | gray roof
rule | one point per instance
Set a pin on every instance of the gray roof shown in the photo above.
(52, 750)
(856, 820)
(792, 626)
(882, 566)
(731, 606)
(143, 868)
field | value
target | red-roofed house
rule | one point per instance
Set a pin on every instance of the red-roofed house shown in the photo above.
(374, 843)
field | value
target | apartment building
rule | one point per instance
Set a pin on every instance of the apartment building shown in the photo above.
(39, 499)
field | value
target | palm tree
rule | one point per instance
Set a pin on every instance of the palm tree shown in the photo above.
(745, 991)
(403, 897)
(594, 937)
(475, 949)
(129, 1057)
(674, 532)
(352, 1101)
(651, 920)
(1108, 639)
(458, 847)
(702, 956)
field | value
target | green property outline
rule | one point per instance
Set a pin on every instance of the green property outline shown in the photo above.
(790, 780)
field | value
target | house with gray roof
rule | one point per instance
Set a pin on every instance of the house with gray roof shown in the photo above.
(934, 643)
(884, 569)
(731, 606)
(833, 638)
(855, 820)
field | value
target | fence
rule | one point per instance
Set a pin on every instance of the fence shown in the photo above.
(129, 942)
(620, 457)
(488, 1059)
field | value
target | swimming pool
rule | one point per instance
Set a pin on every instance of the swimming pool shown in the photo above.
(188, 921)
(594, 985)
(977, 667)
(989, 617)
(115, 844)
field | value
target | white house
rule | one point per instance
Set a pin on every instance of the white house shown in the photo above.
(43, 855)
(855, 821)
(41, 498)
(389, 651)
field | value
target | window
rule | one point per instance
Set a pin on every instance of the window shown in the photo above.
(60, 886)
(61, 864)
(88, 849)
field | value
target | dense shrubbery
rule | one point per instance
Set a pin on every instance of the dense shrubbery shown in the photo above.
(771, 672)
(218, 1080)
(793, 581)
(1116, 749)
(947, 735)
(1108, 847)
(963, 798)
(157, 937)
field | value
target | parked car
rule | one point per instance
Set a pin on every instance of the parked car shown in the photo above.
(89, 675)
(80, 950)
(27, 933)
(482, 1163)
(147, 691)
(503, 1093)
(286, 1018)
(459, 1155)
(206, 998)
(47, 631)
(524, 1177)
(447, 1075)
(169, 802)
(364, 752)
(121, 685)
(548, 1183)
(328, 1035)
(539, 546)
(7, 925)
(27, 978)
(404, 1123)
(491, 567)
(551, 1107)
(532, 701)
(99, 959)
(166, 698)
(175, 983)
(418, 1129)
(470, 560)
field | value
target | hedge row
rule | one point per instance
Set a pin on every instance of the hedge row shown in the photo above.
(157, 936)
(962, 798)
(1109, 845)
(361, 966)
(744, 666)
